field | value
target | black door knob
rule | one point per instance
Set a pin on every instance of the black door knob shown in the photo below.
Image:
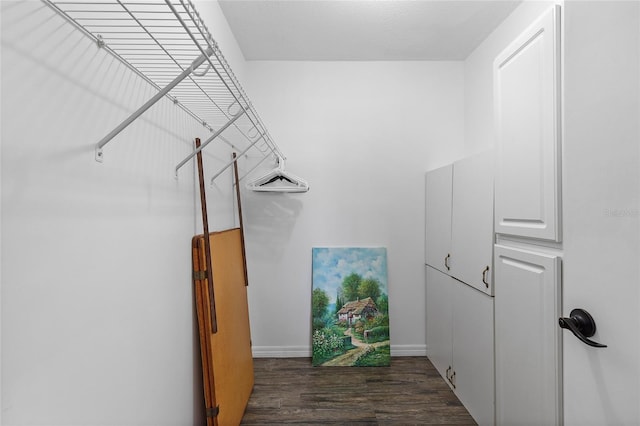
(582, 326)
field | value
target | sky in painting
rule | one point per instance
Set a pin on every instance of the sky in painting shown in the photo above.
(332, 264)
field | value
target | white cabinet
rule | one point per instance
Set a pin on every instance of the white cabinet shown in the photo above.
(459, 220)
(473, 351)
(459, 252)
(528, 361)
(527, 204)
(438, 184)
(439, 320)
(460, 341)
(472, 221)
(526, 93)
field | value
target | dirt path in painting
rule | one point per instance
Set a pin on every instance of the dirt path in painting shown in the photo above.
(350, 357)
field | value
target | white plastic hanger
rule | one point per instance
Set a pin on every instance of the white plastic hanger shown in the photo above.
(278, 180)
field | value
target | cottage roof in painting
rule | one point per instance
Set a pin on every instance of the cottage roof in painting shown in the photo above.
(357, 306)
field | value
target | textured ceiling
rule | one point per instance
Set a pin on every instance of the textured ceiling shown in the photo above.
(352, 30)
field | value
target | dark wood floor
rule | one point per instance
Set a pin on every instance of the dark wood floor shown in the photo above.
(410, 392)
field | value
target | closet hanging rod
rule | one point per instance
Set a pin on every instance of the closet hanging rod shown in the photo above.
(213, 178)
(158, 40)
(254, 167)
(210, 139)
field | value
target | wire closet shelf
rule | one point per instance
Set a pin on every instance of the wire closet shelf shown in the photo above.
(166, 43)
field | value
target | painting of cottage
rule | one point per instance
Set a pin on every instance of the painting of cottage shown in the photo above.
(358, 309)
(350, 307)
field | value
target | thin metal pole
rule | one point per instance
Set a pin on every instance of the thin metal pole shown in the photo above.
(211, 138)
(233, 161)
(195, 64)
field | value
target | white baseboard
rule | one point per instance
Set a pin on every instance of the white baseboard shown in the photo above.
(281, 351)
(305, 351)
(408, 350)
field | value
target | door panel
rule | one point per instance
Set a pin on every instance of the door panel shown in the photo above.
(526, 84)
(438, 217)
(601, 203)
(473, 351)
(528, 349)
(472, 221)
(439, 319)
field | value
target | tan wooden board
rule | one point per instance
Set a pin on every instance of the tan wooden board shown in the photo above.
(226, 355)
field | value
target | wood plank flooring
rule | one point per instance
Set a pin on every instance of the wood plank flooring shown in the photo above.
(410, 392)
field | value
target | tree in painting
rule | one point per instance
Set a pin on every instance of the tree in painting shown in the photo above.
(350, 286)
(319, 304)
(369, 287)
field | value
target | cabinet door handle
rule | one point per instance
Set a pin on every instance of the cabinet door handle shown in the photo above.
(446, 261)
(484, 277)
(451, 376)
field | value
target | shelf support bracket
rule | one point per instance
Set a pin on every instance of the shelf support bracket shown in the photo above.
(184, 74)
(211, 138)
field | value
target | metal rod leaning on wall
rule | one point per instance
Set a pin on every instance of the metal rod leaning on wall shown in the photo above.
(240, 222)
(162, 93)
(207, 242)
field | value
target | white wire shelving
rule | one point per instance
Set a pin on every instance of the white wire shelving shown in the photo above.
(167, 43)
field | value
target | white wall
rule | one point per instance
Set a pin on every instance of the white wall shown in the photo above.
(601, 201)
(97, 308)
(362, 134)
(479, 132)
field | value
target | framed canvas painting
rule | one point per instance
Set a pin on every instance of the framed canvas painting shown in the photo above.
(350, 307)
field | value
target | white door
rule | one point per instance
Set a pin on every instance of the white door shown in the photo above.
(473, 351)
(528, 361)
(439, 319)
(438, 217)
(601, 210)
(528, 136)
(472, 221)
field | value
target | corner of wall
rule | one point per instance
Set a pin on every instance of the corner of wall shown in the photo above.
(0, 252)
(213, 16)
(218, 26)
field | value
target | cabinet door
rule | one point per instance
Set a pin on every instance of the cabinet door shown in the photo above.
(472, 221)
(528, 359)
(438, 218)
(526, 84)
(439, 317)
(473, 352)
